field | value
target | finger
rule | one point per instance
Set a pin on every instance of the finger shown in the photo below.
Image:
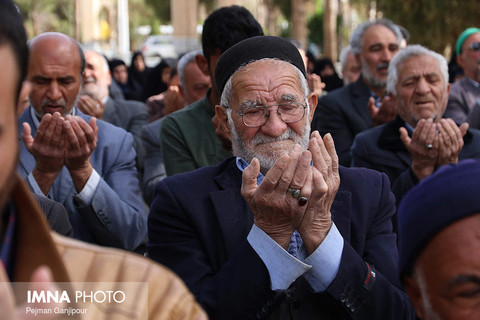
(56, 138)
(93, 124)
(463, 128)
(27, 135)
(404, 136)
(302, 170)
(430, 132)
(330, 146)
(371, 106)
(320, 155)
(270, 180)
(71, 140)
(43, 126)
(285, 180)
(84, 131)
(249, 179)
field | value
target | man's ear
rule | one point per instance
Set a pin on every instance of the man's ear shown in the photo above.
(312, 102)
(357, 58)
(222, 118)
(202, 63)
(415, 295)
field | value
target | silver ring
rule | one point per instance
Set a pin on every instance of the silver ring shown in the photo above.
(429, 146)
(294, 192)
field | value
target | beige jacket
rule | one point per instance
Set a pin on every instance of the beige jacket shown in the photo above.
(73, 261)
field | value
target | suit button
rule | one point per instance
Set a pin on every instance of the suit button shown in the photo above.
(343, 298)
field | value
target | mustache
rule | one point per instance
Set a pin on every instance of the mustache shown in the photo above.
(59, 102)
(382, 65)
(261, 138)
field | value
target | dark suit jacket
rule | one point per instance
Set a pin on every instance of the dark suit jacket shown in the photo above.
(116, 217)
(152, 160)
(131, 116)
(198, 226)
(344, 113)
(56, 214)
(461, 100)
(380, 148)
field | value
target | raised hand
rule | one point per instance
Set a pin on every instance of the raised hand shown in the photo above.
(91, 107)
(317, 219)
(276, 211)
(386, 113)
(80, 142)
(47, 148)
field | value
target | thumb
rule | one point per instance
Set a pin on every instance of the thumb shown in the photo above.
(463, 128)
(404, 136)
(371, 106)
(27, 135)
(249, 179)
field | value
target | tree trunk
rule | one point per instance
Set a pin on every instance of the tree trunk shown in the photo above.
(299, 21)
(330, 29)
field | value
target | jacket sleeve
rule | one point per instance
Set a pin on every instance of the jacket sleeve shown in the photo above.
(117, 217)
(176, 153)
(237, 289)
(153, 162)
(367, 284)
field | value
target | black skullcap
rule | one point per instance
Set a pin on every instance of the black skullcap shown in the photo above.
(253, 49)
(449, 195)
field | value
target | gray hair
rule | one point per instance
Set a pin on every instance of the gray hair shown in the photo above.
(407, 53)
(105, 66)
(344, 55)
(187, 58)
(356, 40)
(227, 94)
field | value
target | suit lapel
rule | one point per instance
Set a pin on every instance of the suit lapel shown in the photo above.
(233, 214)
(390, 140)
(360, 95)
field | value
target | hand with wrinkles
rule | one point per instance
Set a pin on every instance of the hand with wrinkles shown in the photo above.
(325, 178)
(276, 211)
(450, 141)
(423, 159)
(80, 142)
(48, 149)
(386, 113)
(89, 106)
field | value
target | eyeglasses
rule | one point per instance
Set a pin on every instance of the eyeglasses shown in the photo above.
(257, 116)
(474, 46)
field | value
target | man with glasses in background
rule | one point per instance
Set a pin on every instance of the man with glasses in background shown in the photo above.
(272, 233)
(466, 91)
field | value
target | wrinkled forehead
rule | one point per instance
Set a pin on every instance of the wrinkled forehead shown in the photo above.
(267, 80)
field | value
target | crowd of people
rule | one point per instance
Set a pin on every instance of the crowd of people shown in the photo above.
(248, 180)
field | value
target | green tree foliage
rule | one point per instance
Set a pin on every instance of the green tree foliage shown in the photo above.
(435, 24)
(161, 8)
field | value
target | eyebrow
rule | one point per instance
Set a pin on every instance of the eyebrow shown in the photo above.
(287, 97)
(462, 279)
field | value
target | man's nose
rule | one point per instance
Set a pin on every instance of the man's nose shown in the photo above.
(274, 126)
(54, 92)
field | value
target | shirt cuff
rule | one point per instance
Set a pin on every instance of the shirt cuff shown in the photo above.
(282, 267)
(88, 191)
(325, 261)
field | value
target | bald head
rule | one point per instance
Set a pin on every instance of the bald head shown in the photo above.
(55, 69)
